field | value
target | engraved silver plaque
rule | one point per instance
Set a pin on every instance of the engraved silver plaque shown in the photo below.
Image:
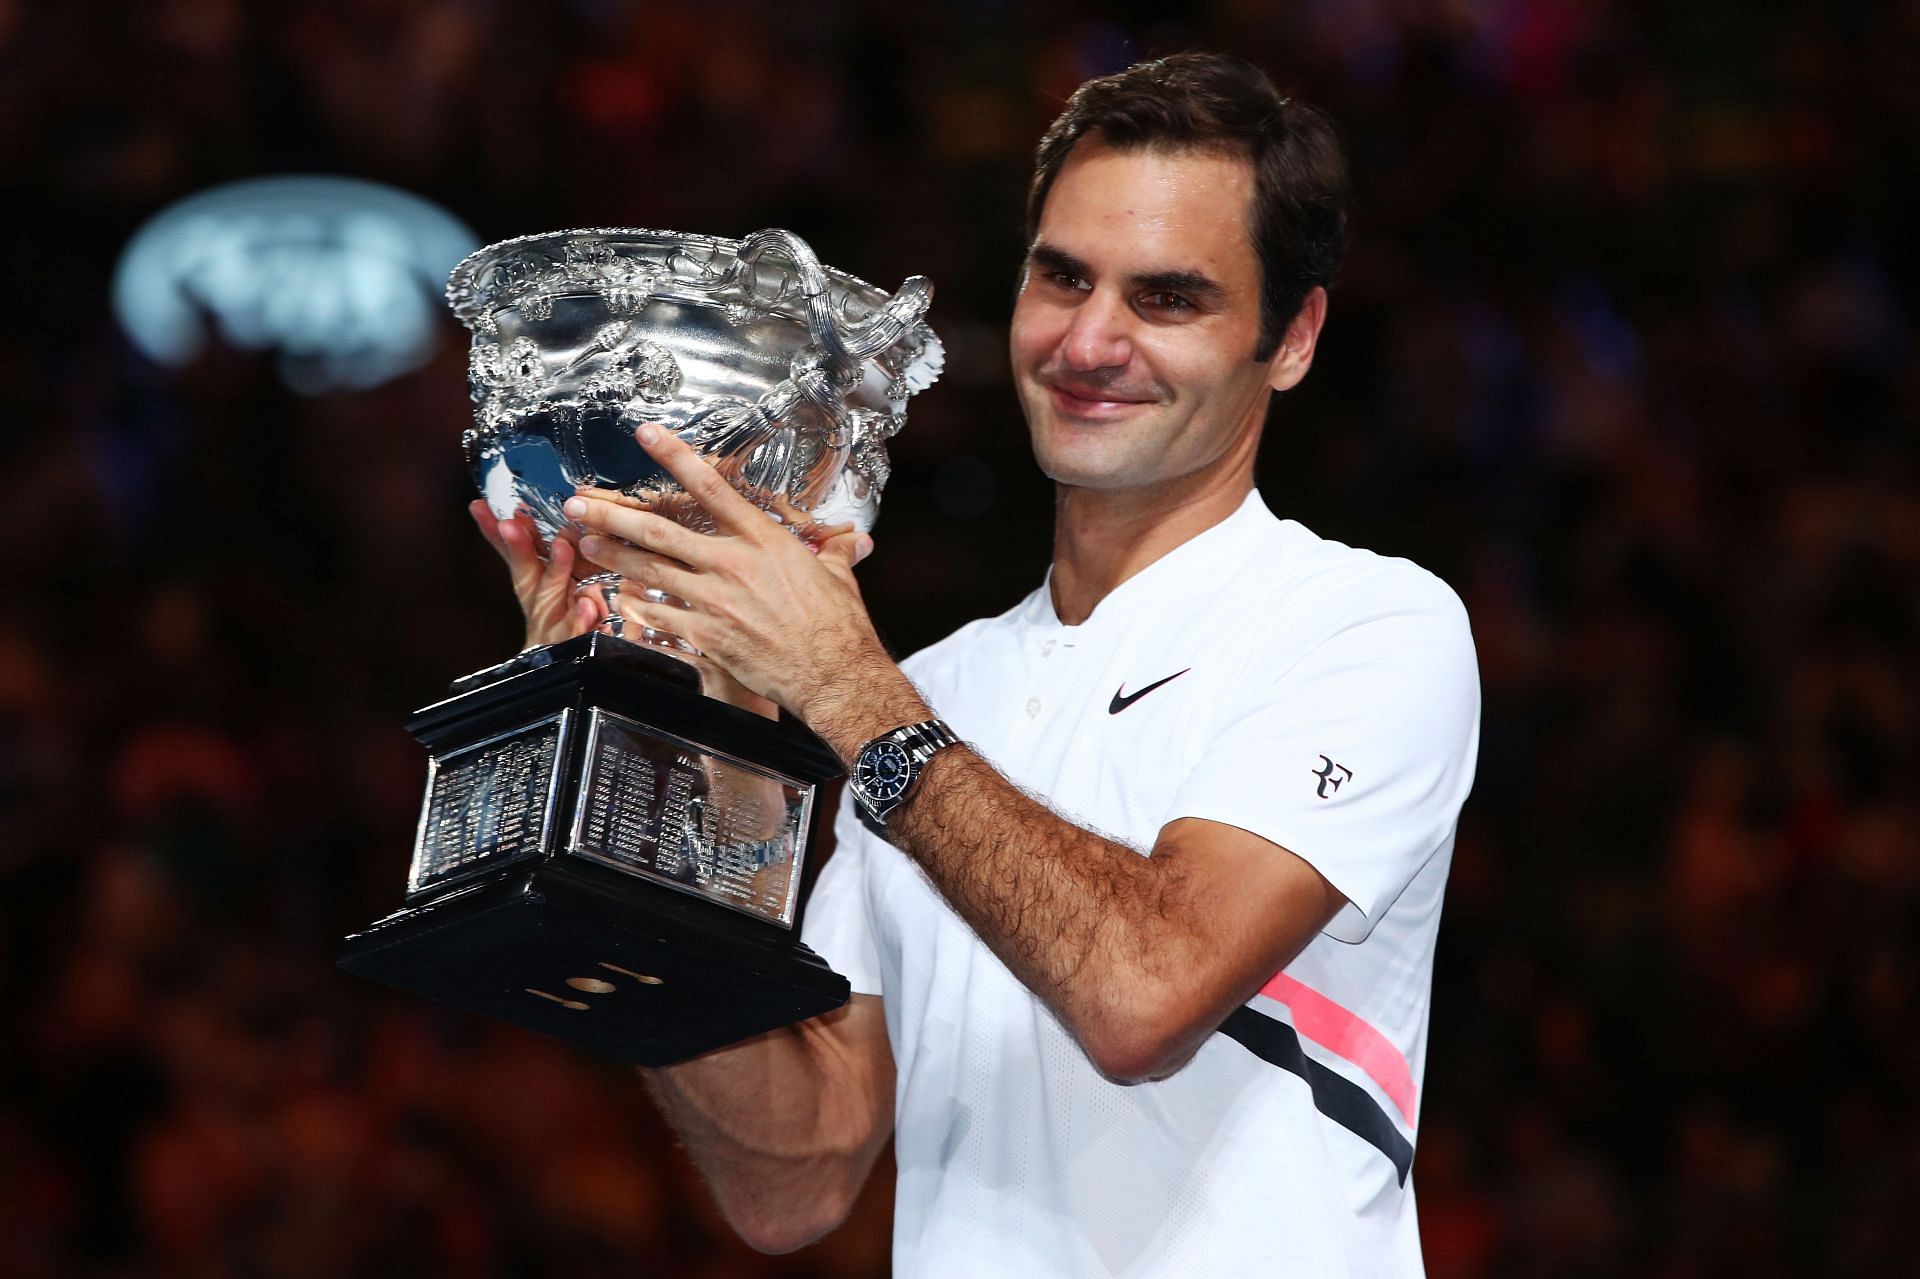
(488, 803)
(686, 816)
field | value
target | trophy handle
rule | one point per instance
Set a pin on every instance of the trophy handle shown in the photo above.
(844, 346)
(826, 371)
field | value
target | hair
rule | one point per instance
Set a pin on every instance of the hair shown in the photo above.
(1216, 102)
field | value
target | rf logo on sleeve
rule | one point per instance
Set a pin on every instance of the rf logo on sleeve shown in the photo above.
(1327, 778)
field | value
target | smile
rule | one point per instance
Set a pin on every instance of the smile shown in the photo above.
(1091, 405)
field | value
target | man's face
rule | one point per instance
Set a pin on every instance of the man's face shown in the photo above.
(1137, 319)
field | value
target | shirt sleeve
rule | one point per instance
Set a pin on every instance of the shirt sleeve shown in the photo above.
(1358, 756)
(839, 919)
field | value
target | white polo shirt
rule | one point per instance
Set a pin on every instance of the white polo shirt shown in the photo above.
(1323, 697)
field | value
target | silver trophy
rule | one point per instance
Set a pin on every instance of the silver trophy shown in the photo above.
(787, 376)
(604, 854)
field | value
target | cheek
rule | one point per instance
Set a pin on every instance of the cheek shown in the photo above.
(1190, 365)
(1169, 368)
(1034, 332)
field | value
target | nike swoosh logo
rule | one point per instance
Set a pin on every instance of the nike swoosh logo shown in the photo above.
(1122, 700)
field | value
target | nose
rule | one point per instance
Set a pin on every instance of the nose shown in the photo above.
(1097, 337)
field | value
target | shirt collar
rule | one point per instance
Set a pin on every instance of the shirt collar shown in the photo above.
(1196, 567)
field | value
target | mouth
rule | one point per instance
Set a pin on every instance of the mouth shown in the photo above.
(1086, 401)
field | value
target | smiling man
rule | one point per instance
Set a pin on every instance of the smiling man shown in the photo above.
(1137, 883)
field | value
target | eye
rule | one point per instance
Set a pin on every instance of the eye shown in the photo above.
(1061, 278)
(1164, 300)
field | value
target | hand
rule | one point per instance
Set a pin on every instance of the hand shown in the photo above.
(784, 617)
(553, 608)
(715, 681)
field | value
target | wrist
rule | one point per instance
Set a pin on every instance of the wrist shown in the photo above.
(859, 701)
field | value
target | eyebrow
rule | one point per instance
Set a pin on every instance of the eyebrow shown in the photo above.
(1188, 281)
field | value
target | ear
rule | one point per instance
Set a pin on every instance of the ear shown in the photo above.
(1294, 356)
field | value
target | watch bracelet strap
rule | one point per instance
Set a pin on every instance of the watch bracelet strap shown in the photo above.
(922, 740)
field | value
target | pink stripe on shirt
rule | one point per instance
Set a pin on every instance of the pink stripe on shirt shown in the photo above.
(1340, 1030)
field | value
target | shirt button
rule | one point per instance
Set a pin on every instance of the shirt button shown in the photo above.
(1033, 707)
(1046, 649)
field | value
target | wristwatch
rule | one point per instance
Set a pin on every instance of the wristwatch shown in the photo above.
(886, 768)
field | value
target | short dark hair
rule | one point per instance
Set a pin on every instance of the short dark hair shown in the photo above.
(1217, 102)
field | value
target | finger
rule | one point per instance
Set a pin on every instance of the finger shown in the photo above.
(642, 529)
(583, 564)
(527, 555)
(634, 501)
(817, 535)
(636, 564)
(512, 553)
(590, 606)
(631, 601)
(733, 513)
(515, 545)
(488, 524)
(662, 617)
(845, 549)
(556, 580)
(520, 529)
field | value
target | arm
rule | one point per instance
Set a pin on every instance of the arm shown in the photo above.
(785, 1127)
(1141, 958)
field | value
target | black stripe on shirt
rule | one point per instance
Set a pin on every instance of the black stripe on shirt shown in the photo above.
(1334, 1095)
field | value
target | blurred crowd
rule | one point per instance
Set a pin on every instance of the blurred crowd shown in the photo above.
(1625, 351)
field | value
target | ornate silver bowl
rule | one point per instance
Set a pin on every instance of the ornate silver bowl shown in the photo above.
(789, 377)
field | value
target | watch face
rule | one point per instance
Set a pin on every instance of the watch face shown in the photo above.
(882, 770)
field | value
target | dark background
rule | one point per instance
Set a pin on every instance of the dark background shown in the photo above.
(1624, 351)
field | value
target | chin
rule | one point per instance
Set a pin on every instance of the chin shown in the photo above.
(1099, 474)
(1081, 461)
(1092, 454)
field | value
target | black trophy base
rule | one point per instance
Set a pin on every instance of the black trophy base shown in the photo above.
(557, 951)
(559, 878)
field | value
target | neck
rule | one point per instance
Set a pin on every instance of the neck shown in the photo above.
(1102, 538)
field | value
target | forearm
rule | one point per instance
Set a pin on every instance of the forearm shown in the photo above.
(1087, 923)
(1099, 932)
(785, 1127)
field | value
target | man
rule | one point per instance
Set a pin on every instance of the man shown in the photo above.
(1141, 965)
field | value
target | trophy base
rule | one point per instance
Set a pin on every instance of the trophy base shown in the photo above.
(576, 953)
(608, 857)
